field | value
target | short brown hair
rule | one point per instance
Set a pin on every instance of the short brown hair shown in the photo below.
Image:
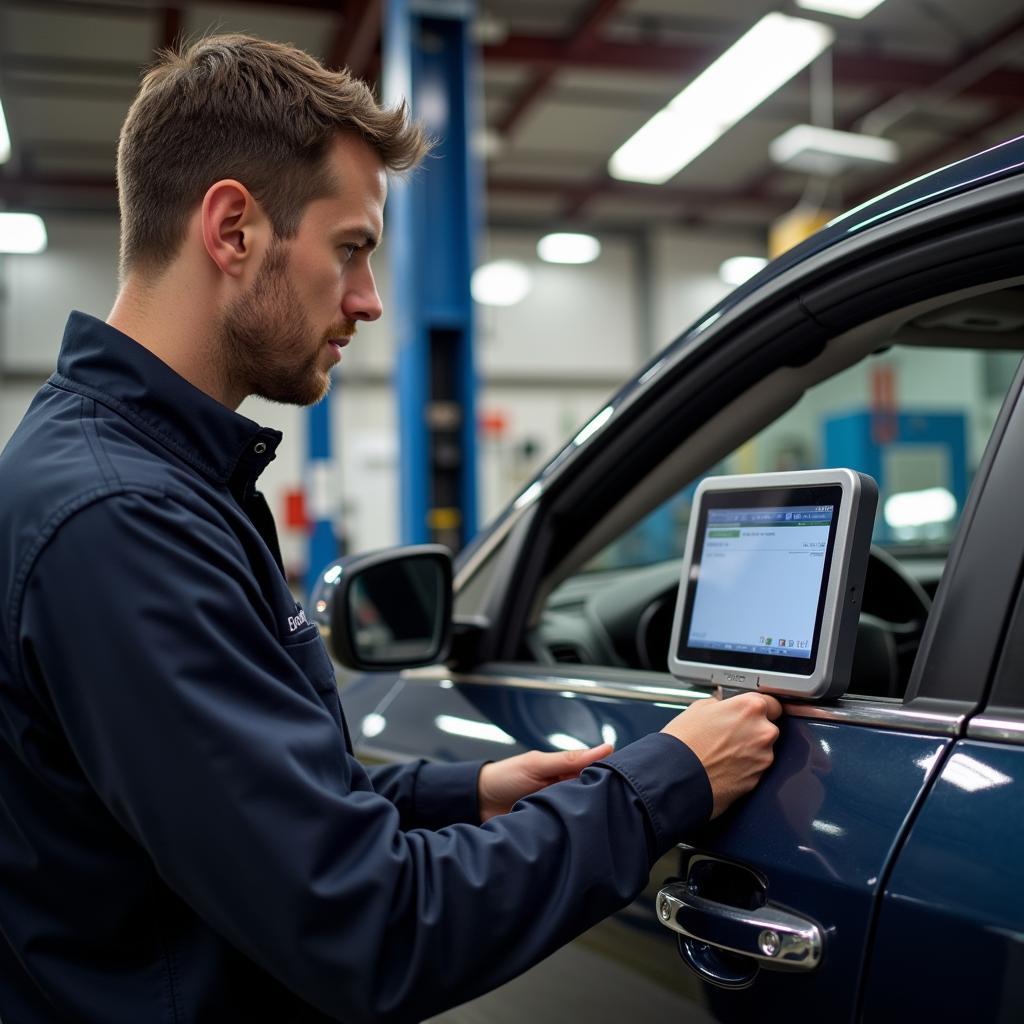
(233, 106)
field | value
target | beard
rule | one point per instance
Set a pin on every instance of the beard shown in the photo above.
(267, 345)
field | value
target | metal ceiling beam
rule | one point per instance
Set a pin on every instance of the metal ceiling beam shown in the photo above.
(656, 194)
(357, 37)
(86, 67)
(582, 36)
(68, 88)
(133, 9)
(854, 69)
(171, 25)
(67, 193)
(109, 7)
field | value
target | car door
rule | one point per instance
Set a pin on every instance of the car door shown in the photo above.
(810, 854)
(953, 901)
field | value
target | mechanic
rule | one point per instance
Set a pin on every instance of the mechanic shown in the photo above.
(185, 834)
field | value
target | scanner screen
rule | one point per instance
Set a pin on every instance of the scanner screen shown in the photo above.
(760, 579)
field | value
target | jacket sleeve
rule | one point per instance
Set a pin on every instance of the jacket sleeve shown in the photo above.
(431, 795)
(207, 742)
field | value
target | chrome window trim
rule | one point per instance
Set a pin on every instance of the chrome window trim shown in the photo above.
(846, 710)
(992, 727)
(487, 546)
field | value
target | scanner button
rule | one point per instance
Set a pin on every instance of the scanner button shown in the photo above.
(730, 677)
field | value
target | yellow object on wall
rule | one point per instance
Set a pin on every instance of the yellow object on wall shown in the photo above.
(792, 228)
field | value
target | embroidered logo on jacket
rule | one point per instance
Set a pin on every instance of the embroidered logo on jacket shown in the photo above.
(297, 621)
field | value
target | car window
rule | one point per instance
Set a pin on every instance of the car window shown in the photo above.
(916, 418)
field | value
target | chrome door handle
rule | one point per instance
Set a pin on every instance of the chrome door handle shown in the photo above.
(772, 936)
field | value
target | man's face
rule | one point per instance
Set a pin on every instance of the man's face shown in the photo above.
(281, 338)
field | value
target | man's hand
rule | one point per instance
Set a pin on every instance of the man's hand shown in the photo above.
(502, 783)
(733, 739)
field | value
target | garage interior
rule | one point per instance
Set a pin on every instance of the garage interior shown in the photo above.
(554, 89)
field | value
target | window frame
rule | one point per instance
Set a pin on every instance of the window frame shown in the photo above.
(954, 245)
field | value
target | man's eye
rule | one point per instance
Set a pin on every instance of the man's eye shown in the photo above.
(348, 251)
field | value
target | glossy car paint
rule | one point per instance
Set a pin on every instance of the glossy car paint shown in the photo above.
(955, 903)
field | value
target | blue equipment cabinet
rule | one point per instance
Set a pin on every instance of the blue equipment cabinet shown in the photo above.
(871, 442)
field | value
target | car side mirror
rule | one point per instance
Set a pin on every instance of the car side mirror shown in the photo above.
(389, 609)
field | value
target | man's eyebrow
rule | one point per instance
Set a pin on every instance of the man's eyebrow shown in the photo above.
(366, 238)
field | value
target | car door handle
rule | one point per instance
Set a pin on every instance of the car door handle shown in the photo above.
(770, 935)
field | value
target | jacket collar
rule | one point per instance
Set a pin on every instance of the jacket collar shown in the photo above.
(99, 361)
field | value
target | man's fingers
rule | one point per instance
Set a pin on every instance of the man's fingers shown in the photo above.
(581, 758)
(566, 764)
(754, 698)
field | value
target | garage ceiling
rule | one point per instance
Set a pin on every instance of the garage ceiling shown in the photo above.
(565, 82)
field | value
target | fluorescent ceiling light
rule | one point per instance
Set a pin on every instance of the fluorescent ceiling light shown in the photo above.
(845, 8)
(568, 247)
(752, 69)
(500, 283)
(5, 138)
(828, 152)
(22, 233)
(738, 269)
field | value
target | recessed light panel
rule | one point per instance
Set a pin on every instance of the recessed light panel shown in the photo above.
(568, 247)
(500, 283)
(825, 151)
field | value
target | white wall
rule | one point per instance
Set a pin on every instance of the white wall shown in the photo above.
(578, 322)
(686, 283)
(77, 271)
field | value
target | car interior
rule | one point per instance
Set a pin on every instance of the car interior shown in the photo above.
(927, 382)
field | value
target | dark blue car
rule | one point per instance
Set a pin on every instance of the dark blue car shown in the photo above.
(886, 844)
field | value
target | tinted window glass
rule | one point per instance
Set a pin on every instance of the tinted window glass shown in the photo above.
(916, 419)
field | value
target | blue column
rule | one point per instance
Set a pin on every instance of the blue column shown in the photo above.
(431, 224)
(319, 489)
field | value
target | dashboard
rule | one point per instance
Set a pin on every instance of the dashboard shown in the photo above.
(623, 618)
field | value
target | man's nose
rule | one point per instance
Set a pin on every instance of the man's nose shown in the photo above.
(362, 301)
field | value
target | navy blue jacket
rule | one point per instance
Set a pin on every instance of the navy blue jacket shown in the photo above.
(184, 832)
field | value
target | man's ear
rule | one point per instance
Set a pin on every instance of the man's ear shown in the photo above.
(235, 229)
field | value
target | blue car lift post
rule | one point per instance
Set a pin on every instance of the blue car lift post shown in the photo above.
(320, 511)
(430, 227)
